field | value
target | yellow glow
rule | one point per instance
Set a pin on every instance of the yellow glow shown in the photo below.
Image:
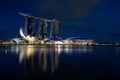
(27, 54)
(27, 38)
(58, 42)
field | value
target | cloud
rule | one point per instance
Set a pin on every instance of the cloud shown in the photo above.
(69, 9)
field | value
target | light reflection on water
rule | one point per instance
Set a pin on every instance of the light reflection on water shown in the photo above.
(64, 60)
(118, 50)
(27, 53)
(31, 49)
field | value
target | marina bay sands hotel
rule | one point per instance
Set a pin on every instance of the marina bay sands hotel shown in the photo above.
(28, 33)
(42, 27)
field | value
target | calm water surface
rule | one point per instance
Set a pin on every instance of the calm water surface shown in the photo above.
(59, 62)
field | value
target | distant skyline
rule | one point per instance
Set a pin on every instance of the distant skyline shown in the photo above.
(95, 19)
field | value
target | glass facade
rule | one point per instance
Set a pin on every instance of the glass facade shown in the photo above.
(30, 26)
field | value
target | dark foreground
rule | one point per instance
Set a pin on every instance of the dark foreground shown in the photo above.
(59, 62)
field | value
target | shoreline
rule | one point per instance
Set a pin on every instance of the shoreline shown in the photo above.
(67, 44)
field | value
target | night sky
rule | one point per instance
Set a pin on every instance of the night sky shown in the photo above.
(95, 19)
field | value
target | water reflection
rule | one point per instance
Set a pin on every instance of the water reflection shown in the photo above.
(12, 49)
(117, 50)
(44, 57)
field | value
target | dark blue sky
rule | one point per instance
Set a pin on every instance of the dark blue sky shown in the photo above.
(95, 19)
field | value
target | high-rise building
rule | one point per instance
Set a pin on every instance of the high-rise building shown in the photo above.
(42, 32)
(55, 29)
(30, 25)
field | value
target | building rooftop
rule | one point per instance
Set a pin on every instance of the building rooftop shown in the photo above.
(55, 38)
(78, 38)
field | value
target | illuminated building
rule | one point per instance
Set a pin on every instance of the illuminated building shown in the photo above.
(27, 38)
(42, 31)
(55, 29)
(30, 26)
(80, 40)
(17, 40)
